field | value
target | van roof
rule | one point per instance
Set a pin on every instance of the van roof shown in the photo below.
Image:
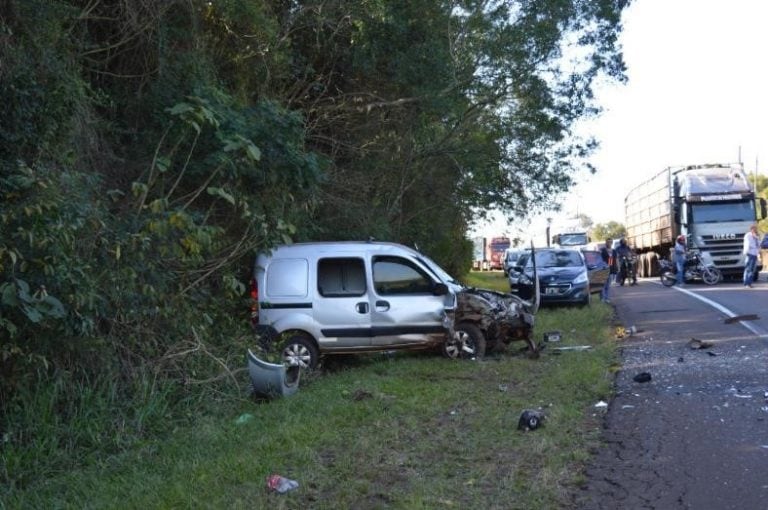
(341, 247)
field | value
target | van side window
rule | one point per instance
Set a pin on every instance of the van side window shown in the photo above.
(341, 277)
(392, 275)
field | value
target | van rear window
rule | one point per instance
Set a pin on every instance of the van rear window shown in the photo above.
(341, 277)
(287, 278)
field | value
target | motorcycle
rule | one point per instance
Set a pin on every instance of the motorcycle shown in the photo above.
(627, 269)
(694, 268)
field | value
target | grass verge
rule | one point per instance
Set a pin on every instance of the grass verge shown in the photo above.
(402, 431)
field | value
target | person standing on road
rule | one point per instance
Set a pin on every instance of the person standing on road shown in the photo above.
(680, 253)
(608, 255)
(751, 250)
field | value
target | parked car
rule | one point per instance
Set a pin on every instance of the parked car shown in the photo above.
(516, 269)
(313, 299)
(565, 276)
(510, 259)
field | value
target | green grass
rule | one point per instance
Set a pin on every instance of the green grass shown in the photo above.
(487, 280)
(404, 431)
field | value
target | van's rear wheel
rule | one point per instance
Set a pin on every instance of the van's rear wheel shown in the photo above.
(300, 351)
(467, 342)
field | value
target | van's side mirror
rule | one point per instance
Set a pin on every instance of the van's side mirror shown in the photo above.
(763, 212)
(440, 289)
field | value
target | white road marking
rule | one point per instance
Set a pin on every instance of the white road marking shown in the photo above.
(752, 328)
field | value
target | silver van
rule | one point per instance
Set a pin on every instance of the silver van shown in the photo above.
(313, 299)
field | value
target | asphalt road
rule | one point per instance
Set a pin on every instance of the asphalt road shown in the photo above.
(696, 435)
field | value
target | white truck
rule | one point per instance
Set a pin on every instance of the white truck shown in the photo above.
(713, 205)
(575, 239)
(569, 233)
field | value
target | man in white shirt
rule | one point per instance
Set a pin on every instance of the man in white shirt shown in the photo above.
(751, 250)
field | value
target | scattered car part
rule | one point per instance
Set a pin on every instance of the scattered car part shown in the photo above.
(642, 377)
(530, 420)
(272, 379)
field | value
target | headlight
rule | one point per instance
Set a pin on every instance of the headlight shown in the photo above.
(523, 278)
(582, 278)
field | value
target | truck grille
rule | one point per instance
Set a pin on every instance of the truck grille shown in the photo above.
(726, 253)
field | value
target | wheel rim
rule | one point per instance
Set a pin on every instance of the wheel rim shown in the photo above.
(297, 355)
(465, 343)
(462, 345)
(710, 276)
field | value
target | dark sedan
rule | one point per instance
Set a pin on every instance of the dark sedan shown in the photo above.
(566, 276)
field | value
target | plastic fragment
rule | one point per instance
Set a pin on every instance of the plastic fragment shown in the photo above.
(281, 484)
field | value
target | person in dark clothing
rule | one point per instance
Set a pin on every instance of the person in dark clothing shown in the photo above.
(625, 264)
(609, 257)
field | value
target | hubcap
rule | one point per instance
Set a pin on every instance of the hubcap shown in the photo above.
(296, 356)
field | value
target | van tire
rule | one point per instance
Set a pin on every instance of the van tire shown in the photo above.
(300, 350)
(468, 342)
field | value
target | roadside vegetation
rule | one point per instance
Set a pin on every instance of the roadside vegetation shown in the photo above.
(149, 149)
(400, 431)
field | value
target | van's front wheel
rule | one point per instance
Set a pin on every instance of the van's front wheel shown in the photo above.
(300, 351)
(467, 342)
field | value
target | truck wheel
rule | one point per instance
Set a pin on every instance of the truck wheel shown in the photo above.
(642, 266)
(653, 263)
(467, 342)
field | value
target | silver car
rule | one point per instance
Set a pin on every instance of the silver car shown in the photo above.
(312, 299)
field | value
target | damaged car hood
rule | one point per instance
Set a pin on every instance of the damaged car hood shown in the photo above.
(488, 304)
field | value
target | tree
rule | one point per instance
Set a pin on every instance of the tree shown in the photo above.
(611, 229)
(434, 113)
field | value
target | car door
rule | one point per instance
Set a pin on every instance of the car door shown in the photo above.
(342, 309)
(597, 270)
(405, 308)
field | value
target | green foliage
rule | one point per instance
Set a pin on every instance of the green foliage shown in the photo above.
(149, 149)
(603, 231)
(367, 434)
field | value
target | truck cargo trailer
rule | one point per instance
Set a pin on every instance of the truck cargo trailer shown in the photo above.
(713, 205)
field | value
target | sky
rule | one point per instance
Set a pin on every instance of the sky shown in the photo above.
(697, 92)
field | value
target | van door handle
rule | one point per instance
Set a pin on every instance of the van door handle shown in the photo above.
(382, 306)
(362, 307)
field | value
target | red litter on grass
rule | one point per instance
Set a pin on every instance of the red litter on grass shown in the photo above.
(281, 484)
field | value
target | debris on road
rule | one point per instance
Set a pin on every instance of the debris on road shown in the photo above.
(572, 348)
(280, 484)
(601, 404)
(530, 420)
(745, 317)
(642, 377)
(695, 344)
(244, 418)
(272, 380)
